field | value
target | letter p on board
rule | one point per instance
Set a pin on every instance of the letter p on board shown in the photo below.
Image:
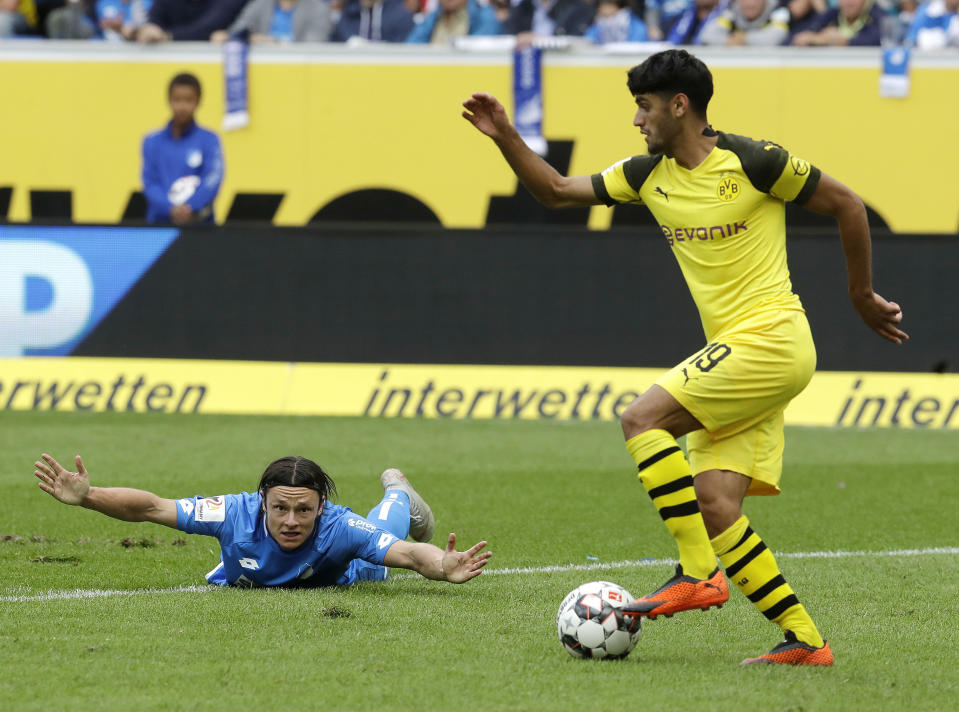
(65, 313)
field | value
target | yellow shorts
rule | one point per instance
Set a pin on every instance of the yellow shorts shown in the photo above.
(738, 387)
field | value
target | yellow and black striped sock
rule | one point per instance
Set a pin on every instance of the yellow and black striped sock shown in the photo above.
(664, 472)
(752, 567)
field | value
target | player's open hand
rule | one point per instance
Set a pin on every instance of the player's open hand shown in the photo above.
(882, 317)
(461, 566)
(60, 483)
(486, 113)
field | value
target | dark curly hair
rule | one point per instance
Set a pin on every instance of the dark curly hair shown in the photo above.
(671, 72)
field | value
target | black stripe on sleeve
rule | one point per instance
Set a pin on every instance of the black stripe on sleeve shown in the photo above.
(812, 182)
(763, 591)
(666, 452)
(736, 567)
(670, 487)
(775, 611)
(680, 510)
(637, 169)
(599, 187)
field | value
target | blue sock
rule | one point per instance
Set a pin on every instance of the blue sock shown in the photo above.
(392, 513)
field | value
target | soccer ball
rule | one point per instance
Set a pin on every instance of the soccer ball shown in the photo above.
(591, 624)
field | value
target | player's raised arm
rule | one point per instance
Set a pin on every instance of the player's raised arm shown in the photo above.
(833, 198)
(434, 563)
(130, 505)
(546, 184)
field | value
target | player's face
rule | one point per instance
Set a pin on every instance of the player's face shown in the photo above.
(291, 514)
(656, 122)
(183, 103)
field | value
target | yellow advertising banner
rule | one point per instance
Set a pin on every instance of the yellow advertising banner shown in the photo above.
(896, 400)
(327, 122)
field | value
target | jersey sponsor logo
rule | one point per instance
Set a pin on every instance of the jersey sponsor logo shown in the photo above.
(194, 158)
(728, 189)
(210, 509)
(361, 524)
(799, 166)
(385, 541)
(702, 234)
(248, 563)
(186, 505)
(662, 193)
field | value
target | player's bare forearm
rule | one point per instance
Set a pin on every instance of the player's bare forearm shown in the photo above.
(833, 198)
(130, 505)
(543, 181)
(434, 563)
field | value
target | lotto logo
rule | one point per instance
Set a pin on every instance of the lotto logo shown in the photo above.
(251, 564)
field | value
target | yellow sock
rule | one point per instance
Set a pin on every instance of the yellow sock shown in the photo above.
(752, 567)
(664, 472)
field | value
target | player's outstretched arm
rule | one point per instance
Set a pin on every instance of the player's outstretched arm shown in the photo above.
(435, 563)
(546, 184)
(130, 505)
(833, 198)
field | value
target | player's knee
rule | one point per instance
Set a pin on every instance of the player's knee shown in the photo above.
(719, 513)
(636, 419)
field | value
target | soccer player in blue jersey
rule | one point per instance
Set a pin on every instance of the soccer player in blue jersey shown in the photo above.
(287, 533)
(719, 200)
(182, 162)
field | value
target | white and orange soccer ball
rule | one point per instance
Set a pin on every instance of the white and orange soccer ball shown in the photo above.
(590, 622)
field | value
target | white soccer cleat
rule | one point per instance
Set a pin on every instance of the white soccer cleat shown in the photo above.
(422, 522)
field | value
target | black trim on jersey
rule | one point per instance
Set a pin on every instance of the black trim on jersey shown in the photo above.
(599, 187)
(710, 131)
(812, 182)
(638, 168)
(762, 161)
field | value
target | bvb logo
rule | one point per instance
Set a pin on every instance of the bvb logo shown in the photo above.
(799, 166)
(728, 189)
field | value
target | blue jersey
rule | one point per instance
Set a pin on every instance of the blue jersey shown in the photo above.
(187, 169)
(334, 554)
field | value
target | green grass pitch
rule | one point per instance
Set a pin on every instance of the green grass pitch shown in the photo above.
(551, 497)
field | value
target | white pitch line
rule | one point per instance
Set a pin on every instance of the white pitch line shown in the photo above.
(596, 566)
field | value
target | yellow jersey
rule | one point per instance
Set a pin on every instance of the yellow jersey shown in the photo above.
(725, 221)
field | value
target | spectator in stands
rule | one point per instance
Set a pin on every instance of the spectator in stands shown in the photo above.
(689, 25)
(188, 20)
(74, 20)
(272, 21)
(616, 22)
(661, 15)
(455, 18)
(121, 19)
(935, 25)
(182, 162)
(548, 18)
(374, 20)
(17, 17)
(763, 23)
(802, 13)
(854, 22)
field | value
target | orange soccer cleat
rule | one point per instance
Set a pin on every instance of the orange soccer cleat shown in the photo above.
(794, 652)
(681, 593)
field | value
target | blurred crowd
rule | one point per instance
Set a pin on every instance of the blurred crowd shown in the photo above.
(925, 24)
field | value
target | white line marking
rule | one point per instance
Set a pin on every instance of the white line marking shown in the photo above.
(98, 593)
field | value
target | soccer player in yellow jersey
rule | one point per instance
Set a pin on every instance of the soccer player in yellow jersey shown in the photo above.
(719, 201)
